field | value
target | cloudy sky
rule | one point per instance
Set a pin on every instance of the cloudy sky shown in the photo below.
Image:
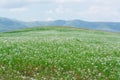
(89, 10)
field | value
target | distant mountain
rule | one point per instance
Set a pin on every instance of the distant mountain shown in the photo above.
(106, 26)
(9, 24)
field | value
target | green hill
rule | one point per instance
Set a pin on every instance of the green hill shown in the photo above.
(59, 53)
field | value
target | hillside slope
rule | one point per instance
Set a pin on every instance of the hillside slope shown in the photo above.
(59, 53)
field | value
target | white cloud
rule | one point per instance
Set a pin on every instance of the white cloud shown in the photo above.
(58, 10)
(67, 1)
(81, 9)
(22, 9)
(49, 19)
(17, 3)
(95, 10)
(50, 12)
(11, 4)
(99, 13)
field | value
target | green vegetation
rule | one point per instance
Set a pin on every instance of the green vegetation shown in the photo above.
(59, 53)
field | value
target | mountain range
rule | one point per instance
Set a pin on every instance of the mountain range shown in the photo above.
(10, 24)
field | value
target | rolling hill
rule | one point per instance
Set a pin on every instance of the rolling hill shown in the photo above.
(59, 53)
(9, 24)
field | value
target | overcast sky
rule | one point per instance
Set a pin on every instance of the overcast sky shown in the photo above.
(89, 10)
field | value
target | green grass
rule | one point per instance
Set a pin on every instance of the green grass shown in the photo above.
(59, 53)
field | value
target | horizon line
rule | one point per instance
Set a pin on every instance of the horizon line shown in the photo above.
(60, 19)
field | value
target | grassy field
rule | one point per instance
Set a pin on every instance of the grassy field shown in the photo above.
(61, 53)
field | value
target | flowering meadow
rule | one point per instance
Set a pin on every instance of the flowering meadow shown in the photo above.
(59, 53)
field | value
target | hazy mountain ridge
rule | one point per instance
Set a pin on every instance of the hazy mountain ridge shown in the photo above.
(9, 24)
